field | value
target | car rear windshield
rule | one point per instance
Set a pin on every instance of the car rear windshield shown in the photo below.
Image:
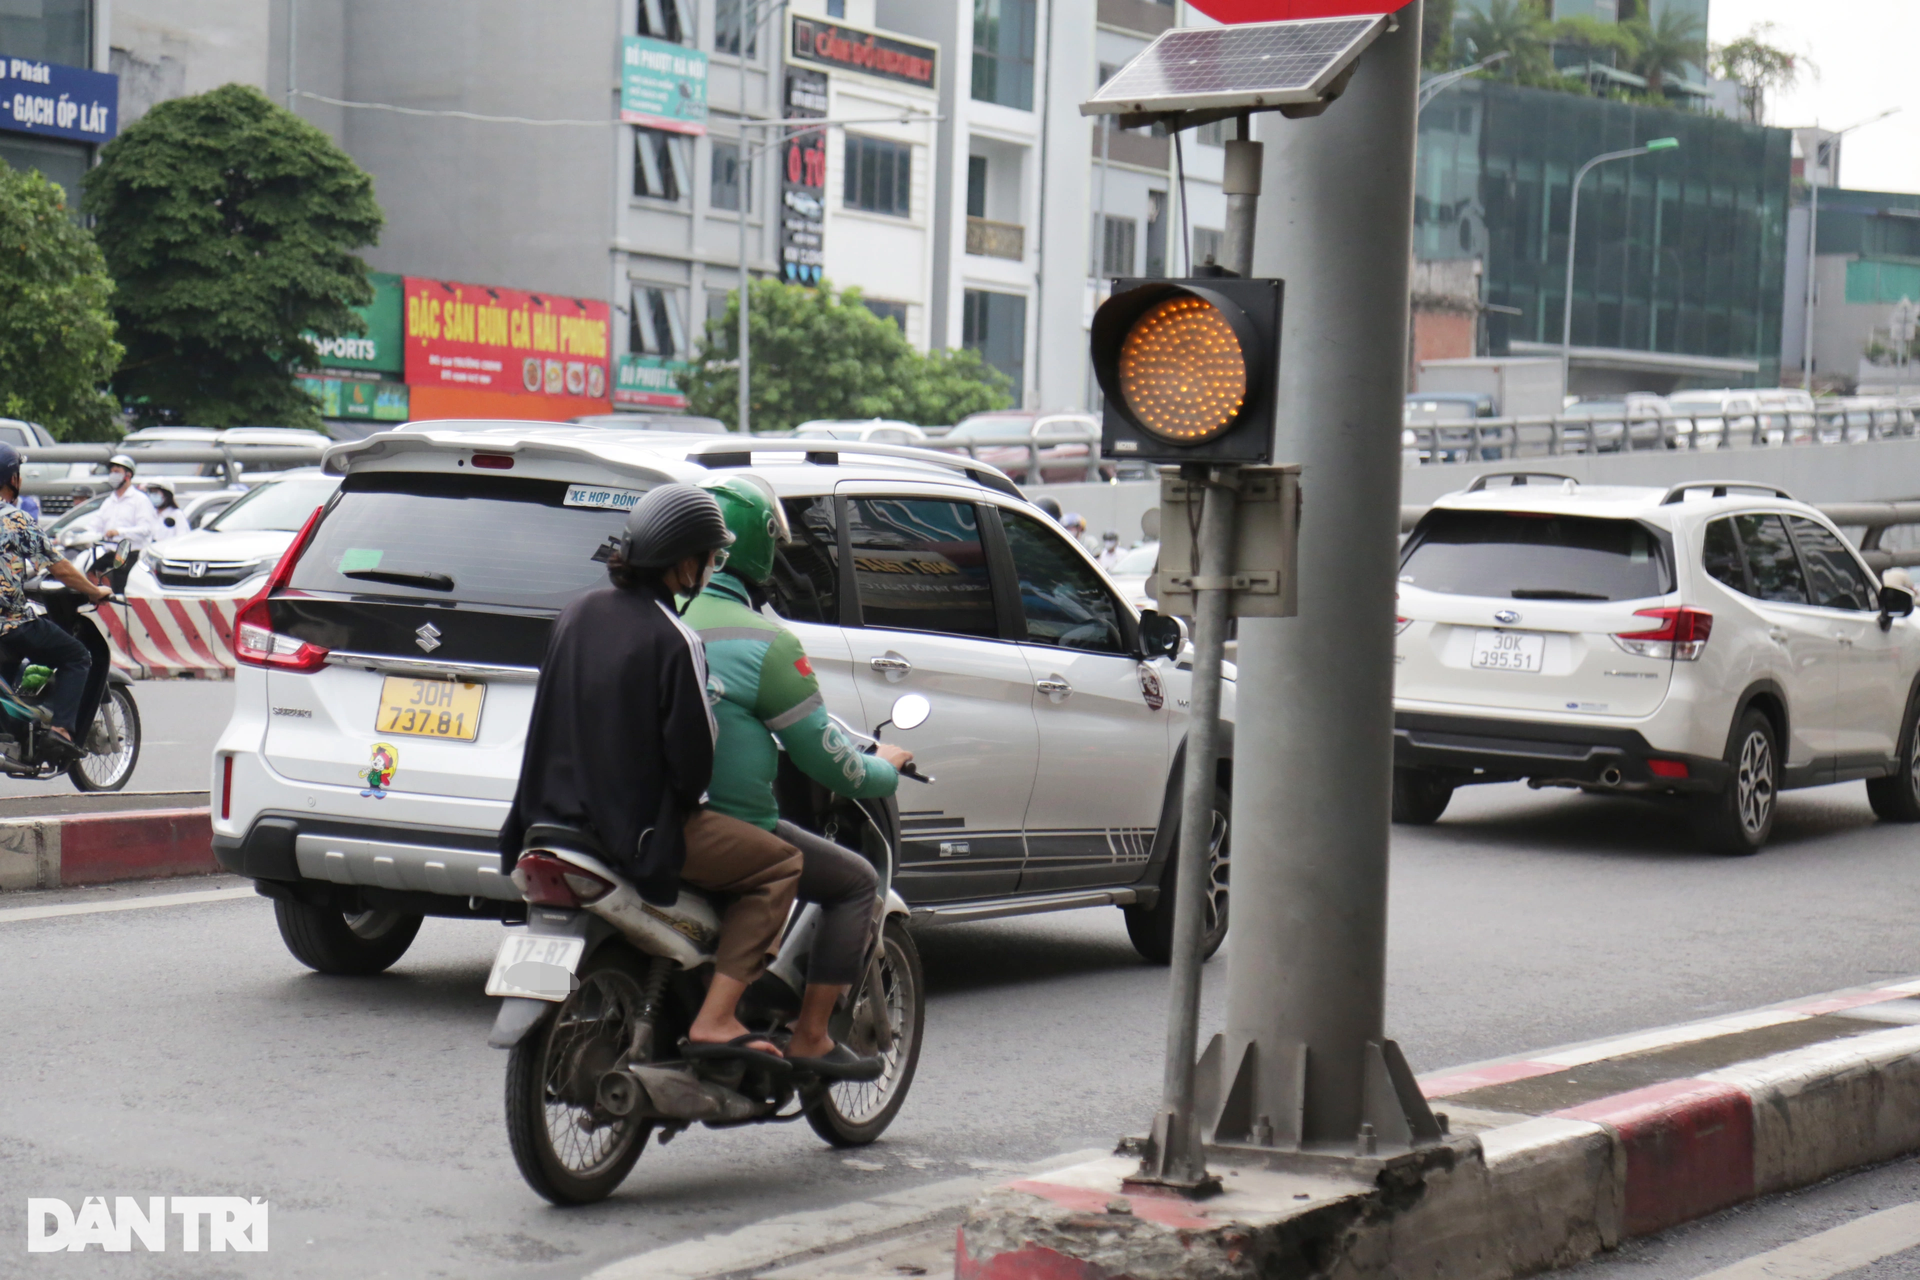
(1523, 556)
(475, 539)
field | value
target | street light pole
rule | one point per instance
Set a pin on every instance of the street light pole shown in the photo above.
(1573, 230)
(1822, 155)
(1434, 87)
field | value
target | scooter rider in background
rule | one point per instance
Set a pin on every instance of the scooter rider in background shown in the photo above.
(25, 552)
(127, 512)
(762, 687)
(169, 521)
(621, 742)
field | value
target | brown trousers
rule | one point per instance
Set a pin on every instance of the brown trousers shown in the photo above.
(758, 871)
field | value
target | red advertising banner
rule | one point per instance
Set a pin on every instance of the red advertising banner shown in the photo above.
(477, 338)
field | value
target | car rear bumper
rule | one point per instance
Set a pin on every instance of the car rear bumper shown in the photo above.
(1486, 749)
(359, 865)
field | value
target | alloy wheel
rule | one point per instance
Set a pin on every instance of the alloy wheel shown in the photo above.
(1754, 784)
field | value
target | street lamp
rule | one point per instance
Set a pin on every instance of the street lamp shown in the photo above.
(1821, 152)
(1432, 88)
(1573, 227)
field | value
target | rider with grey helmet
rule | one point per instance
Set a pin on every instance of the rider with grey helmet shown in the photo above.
(620, 745)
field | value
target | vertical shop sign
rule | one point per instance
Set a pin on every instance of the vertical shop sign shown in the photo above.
(803, 180)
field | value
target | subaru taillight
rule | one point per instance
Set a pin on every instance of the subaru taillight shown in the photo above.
(254, 640)
(1681, 634)
(546, 881)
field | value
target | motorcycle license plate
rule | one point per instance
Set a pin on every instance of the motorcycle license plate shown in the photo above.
(535, 966)
(428, 708)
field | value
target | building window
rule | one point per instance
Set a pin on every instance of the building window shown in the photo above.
(894, 311)
(1003, 52)
(1116, 247)
(662, 20)
(48, 31)
(836, 8)
(1156, 233)
(657, 325)
(976, 186)
(659, 165)
(1214, 134)
(879, 176)
(732, 18)
(995, 325)
(1208, 245)
(729, 173)
(717, 304)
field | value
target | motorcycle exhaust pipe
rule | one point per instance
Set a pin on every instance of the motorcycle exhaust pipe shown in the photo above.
(671, 1093)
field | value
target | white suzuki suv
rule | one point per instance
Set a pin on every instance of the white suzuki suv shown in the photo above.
(387, 671)
(1715, 642)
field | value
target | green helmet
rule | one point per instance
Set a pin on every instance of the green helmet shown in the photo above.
(756, 521)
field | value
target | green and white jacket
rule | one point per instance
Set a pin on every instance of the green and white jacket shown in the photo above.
(761, 687)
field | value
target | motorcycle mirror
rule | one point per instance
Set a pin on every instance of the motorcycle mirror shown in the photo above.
(910, 711)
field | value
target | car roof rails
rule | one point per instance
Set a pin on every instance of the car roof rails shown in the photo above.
(727, 453)
(1720, 489)
(1518, 479)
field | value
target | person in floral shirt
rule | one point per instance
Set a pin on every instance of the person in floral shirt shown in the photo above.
(25, 636)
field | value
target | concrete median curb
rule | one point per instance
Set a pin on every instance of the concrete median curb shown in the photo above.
(64, 850)
(1553, 1158)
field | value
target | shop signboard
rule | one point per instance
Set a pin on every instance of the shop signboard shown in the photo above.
(367, 398)
(649, 382)
(803, 180)
(53, 101)
(380, 349)
(505, 340)
(835, 46)
(663, 85)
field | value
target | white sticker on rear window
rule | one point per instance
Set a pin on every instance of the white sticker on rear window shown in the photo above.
(588, 495)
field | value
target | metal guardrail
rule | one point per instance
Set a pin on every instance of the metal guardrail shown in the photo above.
(234, 460)
(1093, 467)
(1563, 435)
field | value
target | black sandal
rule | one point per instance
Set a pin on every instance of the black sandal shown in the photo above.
(734, 1050)
(840, 1063)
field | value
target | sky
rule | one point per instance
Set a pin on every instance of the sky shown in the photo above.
(1868, 57)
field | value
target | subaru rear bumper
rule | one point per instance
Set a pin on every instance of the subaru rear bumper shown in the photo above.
(1485, 749)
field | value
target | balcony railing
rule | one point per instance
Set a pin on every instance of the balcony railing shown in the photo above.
(992, 239)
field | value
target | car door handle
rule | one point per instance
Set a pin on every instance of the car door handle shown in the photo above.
(892, 665)
(1054, 688)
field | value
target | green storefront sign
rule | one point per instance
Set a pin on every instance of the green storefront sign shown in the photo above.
(358, 398)
(662, 85)
(649, 382)
(380, 349)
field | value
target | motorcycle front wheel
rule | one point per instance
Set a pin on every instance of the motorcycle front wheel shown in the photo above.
(568, 1147)
(112, 743)
(853, 1113)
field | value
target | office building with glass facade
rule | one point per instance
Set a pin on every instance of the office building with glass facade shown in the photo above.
(1679, 258)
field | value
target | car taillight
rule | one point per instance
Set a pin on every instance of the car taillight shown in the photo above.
(1681, 635)
(546, 881)
(254, 640)
(1401, 624)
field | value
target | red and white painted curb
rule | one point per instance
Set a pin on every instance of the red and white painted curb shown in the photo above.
(96, 848)
(167, 636)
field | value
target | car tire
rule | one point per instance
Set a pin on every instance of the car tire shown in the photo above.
(1738, 819)
(1420, 796)
(1151, 928)
(1896, 798)
(328, 940)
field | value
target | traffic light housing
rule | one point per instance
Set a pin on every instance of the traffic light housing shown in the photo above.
(1188, 368)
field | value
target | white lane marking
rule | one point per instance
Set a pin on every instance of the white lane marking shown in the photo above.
(1831, 1253)
(776, 1239)
(11, 915)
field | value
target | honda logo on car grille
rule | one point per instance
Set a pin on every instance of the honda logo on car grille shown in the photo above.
(197, 569)
(427, 637)
(1506, 617)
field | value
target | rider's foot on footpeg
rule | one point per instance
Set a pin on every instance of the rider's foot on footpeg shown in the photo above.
(840, 1063)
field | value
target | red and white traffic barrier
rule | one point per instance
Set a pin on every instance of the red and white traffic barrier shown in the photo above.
(164, 636)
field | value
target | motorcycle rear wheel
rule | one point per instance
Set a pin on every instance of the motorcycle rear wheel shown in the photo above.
(117, 726)
(854, 1113)
(568, 1149)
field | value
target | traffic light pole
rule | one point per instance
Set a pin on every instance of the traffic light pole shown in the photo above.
(1304, 1062)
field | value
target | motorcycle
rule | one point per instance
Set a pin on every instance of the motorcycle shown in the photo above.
(601, 987)
(111, 739)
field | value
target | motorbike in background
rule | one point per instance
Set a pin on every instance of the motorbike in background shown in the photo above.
(602, 986)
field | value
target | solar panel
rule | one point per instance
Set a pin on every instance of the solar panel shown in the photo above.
(1253, 65)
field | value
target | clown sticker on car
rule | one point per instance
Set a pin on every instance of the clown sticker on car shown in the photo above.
(379, 776)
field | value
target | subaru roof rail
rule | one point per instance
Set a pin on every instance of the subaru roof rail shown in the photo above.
(1720, 488)
(735, 453)
(1518, 478)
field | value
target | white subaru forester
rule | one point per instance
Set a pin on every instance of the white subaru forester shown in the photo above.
(1716, 642)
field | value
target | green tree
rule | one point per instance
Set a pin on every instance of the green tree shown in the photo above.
(1436, 35)
(1759, 68)
(230, 225)
(56, 327)
(1665, 48)
(1520, 29)
(820, 353)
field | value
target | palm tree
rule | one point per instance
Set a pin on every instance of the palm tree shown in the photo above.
(1667, 47)
(1516, 27)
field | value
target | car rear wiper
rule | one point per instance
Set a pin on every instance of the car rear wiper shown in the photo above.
(1554, 593)
(403, 578)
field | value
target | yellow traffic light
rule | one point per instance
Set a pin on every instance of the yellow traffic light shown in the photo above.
(1182, 370)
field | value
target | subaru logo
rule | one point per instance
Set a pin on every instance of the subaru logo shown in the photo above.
(1506, 617)
(197, 569)
(427, 637)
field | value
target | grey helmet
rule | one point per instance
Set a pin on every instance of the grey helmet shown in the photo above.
(669, 524)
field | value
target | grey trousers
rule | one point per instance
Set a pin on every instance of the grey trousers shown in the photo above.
(844, 884)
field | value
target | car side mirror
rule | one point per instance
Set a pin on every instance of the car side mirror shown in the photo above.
(1160, 636)
(1895, 602)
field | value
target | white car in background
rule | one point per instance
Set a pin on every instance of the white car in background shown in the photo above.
(1716, 643)
(869, 430)
(1132, 570)
(234, 552)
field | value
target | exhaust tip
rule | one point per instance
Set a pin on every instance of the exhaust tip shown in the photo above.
(1611, 777)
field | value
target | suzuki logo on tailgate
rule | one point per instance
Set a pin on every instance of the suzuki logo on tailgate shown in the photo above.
(427, 637)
